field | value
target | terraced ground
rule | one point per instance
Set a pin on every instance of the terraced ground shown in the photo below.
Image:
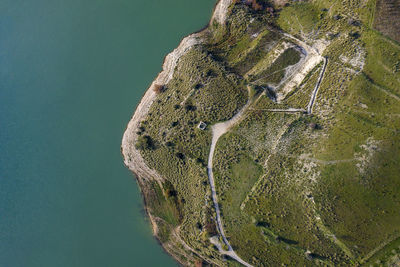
(299, 161)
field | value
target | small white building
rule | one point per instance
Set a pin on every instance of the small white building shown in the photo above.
(202, 125)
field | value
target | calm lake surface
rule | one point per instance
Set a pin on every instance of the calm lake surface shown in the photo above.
(71, 75)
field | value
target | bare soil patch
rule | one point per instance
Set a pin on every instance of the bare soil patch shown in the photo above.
(387, 18)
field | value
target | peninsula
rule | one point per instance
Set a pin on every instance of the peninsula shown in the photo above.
(271, 137)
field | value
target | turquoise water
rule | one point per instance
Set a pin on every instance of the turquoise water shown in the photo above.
(71, 74)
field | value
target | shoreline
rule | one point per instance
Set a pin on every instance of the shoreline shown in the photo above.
(131, 156)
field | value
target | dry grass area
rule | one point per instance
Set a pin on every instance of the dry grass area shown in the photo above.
(387, 18)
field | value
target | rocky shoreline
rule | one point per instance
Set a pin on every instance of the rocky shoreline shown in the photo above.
(132, 157)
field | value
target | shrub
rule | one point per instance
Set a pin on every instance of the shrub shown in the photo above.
(169, 144)
(144, 142)
(190, 107)
(254, 5)
(158, 88)
(180, 156)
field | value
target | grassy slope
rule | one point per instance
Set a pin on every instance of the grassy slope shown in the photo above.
(361, 207)
(198, 92)
(310, 173)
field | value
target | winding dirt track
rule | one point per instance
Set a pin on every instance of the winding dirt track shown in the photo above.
(221, 128)
(289, 110)
(317, 85)
(132, 157)
(217, 131)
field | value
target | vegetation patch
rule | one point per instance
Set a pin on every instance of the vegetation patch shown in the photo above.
(299, 18)
(294, 189)
(276, 72)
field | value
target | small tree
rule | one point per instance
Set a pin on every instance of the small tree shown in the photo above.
(144, 142)
(158, 88)
(255, 5)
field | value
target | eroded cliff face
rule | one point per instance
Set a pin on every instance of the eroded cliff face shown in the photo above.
(132, 157)
(221, 11)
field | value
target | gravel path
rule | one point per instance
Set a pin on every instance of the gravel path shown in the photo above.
(288, 110)
(217, 131)
(317, 85)
(221, 128)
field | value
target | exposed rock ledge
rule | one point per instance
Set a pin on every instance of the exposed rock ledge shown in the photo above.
(220, 11)
(132, 157)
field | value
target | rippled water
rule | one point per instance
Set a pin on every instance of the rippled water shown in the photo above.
(71, 74)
